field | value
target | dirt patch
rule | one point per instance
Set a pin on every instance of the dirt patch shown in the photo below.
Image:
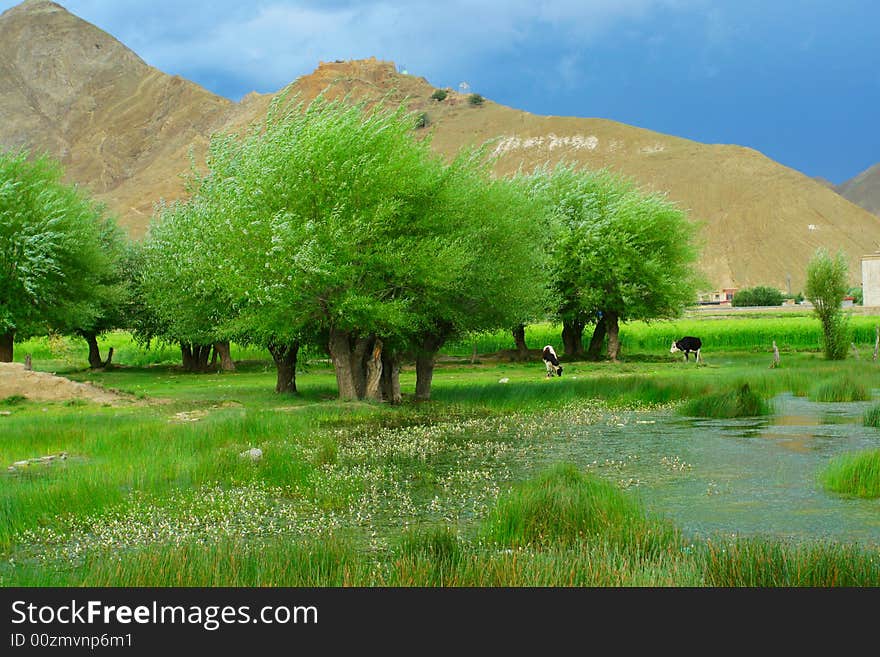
(42, 386)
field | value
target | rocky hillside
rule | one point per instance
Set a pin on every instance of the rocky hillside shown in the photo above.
(124, 130)
(864, 189)
(119, 126)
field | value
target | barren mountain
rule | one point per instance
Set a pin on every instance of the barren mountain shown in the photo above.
(124, 130)
(864, 189)
(120, 127)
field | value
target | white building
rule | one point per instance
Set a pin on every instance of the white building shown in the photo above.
(871, 280)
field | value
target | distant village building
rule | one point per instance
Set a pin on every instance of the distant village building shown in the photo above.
(871, 280)
(722, 297)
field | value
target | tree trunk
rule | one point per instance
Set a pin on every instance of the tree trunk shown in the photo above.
(391, 378)
(91, 339)
(613, 329)
(109, 357)
(204, 353)
(214, 356)
(425, 366)
(594, 351)
(373, 373)
(340, 356)
(359, 355)
(195, 356)
(285, 356)
(424, 375)
(6, 342)
(222, 349)
(519, 339)
(186, 355)
(573, 337)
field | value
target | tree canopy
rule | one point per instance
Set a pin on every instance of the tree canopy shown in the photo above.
(620, 254)
(826, 286)
(331, 223)
(57, 249)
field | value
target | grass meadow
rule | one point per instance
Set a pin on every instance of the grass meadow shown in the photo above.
(164, 489)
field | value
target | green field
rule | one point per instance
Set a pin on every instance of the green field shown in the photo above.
(744, 332)
(161, 490)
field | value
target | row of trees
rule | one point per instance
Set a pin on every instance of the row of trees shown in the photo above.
(333, 225)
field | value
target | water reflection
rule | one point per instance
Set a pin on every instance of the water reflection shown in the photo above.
(754, 476)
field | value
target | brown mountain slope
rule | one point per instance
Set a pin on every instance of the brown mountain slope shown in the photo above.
(124, 129)
(74, 91)
(762, 221)
(864, 189)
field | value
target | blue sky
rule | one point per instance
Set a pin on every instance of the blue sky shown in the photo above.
(798, 80)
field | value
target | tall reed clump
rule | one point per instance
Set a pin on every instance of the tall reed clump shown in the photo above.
(232, 562)
(844, 389)
(743, 402)
(856, 474)
(760, 563)
(564, 507)
(872, 417)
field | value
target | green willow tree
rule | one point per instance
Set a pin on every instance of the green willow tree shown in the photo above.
(621, 255)
(493, 274)
(180, 287)
(332, 224)
(112, 294)
(322, 210)
(55, 270)
(826, 286)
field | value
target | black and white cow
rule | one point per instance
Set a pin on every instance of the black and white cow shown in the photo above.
(688, 344)
(551, 361)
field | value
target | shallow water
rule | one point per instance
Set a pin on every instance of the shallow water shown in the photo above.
(743, 477)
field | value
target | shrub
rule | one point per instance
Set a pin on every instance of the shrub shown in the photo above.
(421, 119)
(439, 95)
(757, 296)
(826, 287)
(475, 99)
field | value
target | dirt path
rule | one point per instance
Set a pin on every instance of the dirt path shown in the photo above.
(42, 386)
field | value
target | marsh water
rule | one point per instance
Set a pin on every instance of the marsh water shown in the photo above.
(742, 477)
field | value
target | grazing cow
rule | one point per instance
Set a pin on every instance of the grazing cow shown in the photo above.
(688, 344)
(551, 361)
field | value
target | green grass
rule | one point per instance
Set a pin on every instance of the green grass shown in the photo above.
(742, 402)
(601, 537)
(563, 506)
(744, 332)
(840, 390)
(872, 417)
(425, 494)
(63, 353)
(856, 474)
(760, 563)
